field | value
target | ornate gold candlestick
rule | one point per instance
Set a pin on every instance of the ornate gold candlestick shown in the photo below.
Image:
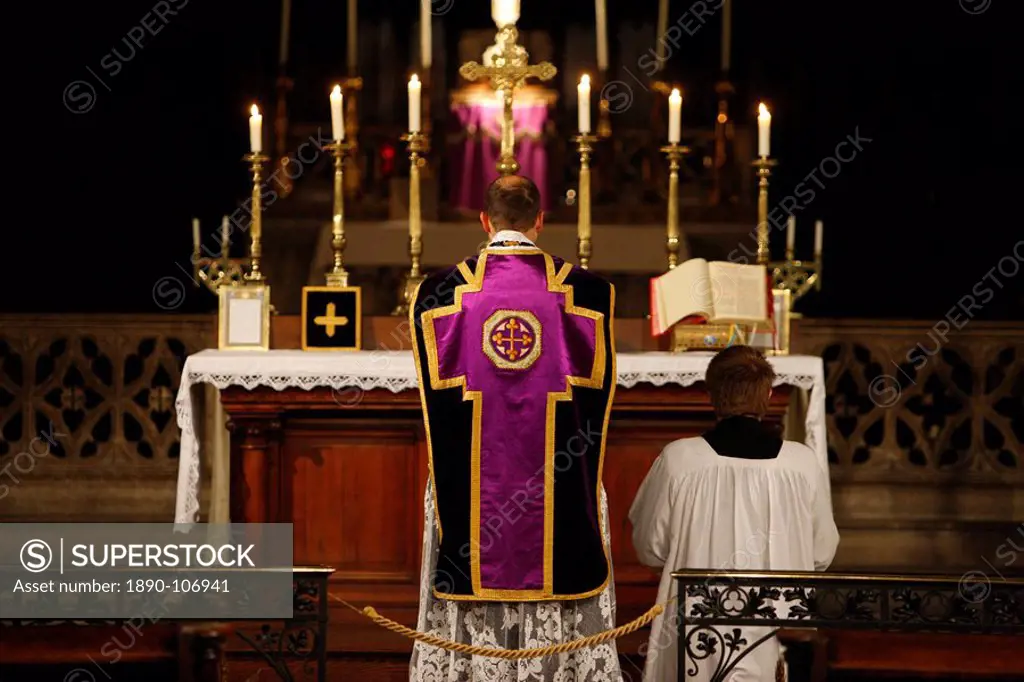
(418, 147)
(675, 153)
(218, 272)
(256, 161)
(509, 69)
(764, 167)
(338, 276)
(584, 145)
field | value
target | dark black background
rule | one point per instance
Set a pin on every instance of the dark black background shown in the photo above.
(98, 204)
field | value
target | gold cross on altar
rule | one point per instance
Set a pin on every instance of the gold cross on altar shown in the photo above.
(509, 70)
(329, 320)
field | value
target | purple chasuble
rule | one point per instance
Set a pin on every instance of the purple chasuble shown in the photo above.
(516, 344)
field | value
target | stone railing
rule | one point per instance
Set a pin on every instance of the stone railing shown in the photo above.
(87, 419)
(926, 440)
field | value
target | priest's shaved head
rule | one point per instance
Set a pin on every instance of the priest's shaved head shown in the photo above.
(513, 203)
(740, 382)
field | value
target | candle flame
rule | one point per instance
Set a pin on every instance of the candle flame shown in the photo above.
(255, 111)
(585, 80)
(762, 112)
(415, 80)
(675, 94)
(336, 91)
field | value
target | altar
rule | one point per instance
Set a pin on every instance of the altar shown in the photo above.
(334, 444)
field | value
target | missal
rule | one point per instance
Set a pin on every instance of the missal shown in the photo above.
(702, 292)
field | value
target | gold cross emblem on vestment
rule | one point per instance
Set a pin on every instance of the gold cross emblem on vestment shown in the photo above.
(329, 320)
(507, 344)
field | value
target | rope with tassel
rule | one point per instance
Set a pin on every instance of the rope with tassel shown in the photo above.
(507, 654)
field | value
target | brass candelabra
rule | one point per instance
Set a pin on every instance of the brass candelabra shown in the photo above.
(338, 276)
(222, 271)
(584, 145)
(418, 145)
(764, 166)
(675, 153)
(509, 69)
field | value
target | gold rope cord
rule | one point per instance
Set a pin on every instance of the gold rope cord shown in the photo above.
(508, 654)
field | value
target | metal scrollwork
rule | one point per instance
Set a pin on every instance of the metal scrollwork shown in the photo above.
(720, 607)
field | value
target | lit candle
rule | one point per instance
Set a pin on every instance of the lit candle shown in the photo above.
(790, 233)
(425, 34)
(414, 104)
(195, 233)
(602, 35)
(225, 230)
(675, 116)
(583, 91)
(505, 12)
(337, 118)
(819, 230)
(256, 130)
(764, 131)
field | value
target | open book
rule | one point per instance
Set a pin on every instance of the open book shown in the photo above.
(697, 292)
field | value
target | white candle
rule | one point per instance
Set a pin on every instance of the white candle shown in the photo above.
(583, 91)
(764, 131)
(790, 233)
(425, 39)
(819, 230)
(225, 230)
(602, 35)
(505, 12)
(675, 116)
(337, 117)
(256, 130)
(414, 104)
(195, 233)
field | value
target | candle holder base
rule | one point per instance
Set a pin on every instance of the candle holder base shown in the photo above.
(410, 283)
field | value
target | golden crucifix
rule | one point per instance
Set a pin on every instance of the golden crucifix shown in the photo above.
(330, 320)
(509, 69)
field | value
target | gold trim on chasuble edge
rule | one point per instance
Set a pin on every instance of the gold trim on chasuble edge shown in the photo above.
(556, 284)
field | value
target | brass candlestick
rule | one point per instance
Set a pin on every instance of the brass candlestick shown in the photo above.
(256, 161)
(509, 70)
(764, 167)
(584, 145)
(338, 276)
(418, 146)
(675, 153)
(218, 272)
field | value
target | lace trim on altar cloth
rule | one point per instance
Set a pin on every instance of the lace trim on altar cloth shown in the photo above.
(509, 625)
(401, 376)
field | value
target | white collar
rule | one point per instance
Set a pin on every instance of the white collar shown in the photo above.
(509, 236)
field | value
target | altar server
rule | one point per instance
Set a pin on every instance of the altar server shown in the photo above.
(516, 365)
(737, 498)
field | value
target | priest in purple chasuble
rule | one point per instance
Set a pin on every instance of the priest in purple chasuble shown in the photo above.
(516, 363)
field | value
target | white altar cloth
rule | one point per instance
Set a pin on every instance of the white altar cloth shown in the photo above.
(395, 371)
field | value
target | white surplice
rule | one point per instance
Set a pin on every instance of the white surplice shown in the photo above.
(700, 510)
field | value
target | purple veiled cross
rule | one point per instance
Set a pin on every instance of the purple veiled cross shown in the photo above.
(515, 345)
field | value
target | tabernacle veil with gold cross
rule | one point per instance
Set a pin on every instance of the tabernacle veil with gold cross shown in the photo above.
(516, 364)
